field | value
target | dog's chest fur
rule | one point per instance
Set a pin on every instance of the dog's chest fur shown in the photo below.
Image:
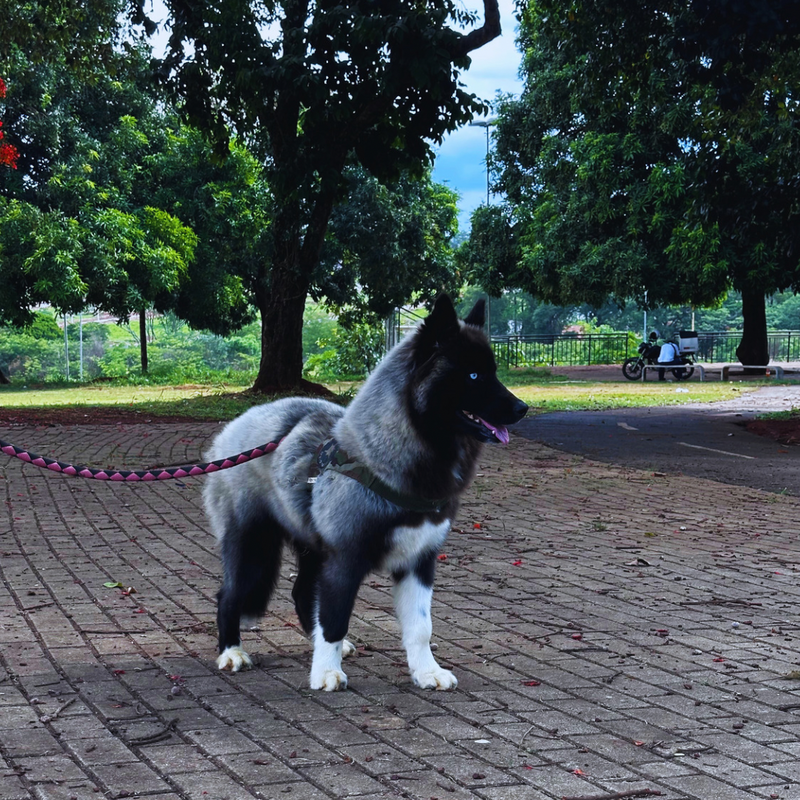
(407, 544)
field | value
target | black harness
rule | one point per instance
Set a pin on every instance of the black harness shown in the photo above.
(331, 456)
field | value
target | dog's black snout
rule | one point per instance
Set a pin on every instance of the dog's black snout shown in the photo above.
(520, 408)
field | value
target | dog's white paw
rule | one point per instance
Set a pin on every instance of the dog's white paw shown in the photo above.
(234, 659)
(329, 680)
(348, 648)
(436, 678)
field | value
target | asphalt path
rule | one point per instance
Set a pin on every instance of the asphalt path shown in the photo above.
(705, 441)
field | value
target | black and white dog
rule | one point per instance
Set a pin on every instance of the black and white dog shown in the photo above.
(374, 485)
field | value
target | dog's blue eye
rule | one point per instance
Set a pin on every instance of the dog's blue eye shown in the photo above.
(473, 376)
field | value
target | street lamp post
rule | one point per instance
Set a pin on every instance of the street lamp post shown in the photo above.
(486, 123)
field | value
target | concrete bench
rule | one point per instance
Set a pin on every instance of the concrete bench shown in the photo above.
(697, 367)
(770, 368)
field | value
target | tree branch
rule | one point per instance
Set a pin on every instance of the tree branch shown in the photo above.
(314, 236)
(476, 39)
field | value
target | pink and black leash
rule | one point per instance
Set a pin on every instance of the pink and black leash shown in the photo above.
(131, 476)
(329, 456)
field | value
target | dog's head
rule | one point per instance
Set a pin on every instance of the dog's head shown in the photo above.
(455, 385)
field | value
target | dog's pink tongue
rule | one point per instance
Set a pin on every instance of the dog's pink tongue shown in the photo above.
(501, 433)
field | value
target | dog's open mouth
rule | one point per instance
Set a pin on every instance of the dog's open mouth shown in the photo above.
(482, 429)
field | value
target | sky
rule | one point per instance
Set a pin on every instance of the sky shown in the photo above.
(461, 158)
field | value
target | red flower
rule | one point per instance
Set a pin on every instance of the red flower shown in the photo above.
(8, 153)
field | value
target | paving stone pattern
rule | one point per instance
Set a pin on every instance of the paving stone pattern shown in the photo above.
(602, 645)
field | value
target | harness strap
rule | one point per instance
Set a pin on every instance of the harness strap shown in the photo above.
(331, 456)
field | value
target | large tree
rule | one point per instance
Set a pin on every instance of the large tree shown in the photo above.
(117, 205)
(71, 231)
(654, 155)
(309, 85)
(112, 188)
(80, 34)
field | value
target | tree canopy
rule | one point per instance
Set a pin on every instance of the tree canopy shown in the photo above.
(95, 215)
(653, 155)
(71, 232)
(387, 244)
(8, 153)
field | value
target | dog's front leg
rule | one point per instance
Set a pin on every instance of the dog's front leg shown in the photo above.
(412, 603)
(336, 589)
(326, 663)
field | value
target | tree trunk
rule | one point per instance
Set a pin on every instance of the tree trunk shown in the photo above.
(281, 310)
(754, 347)
(281, 297)
(143, 340)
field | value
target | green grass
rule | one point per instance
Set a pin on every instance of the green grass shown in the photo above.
(542, 391)
(213, 402)
(597, 395)
(792, 413)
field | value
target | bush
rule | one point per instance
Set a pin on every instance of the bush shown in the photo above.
(44, 326)
(349, 354)
(177, 354)
(34, 354)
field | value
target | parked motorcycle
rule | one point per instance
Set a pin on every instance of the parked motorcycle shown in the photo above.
(648, 355)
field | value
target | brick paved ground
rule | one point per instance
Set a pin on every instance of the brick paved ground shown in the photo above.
(602, 646)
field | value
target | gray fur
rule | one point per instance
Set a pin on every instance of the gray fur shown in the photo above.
(277, 481)
(376, 426)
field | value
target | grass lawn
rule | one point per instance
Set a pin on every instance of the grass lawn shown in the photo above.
(212, 402)
(540, 390)
(599, 395)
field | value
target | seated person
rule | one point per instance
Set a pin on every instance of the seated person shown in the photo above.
(670, 354)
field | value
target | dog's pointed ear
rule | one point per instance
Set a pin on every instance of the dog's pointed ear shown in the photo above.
(439, 326)
(477, 316)
(442, 322)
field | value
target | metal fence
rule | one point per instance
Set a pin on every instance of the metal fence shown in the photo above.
(572, 349)
(721, 347)
(564, 349)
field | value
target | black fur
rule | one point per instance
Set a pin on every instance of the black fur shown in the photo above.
(251, 554)
(424, 570)
(309, 563)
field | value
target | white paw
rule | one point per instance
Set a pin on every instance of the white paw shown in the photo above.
(348, 648)
(436, 678)
(234, 659)
(329, 680)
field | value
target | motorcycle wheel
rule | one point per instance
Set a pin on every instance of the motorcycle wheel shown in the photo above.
(683, 374)
(632, 368)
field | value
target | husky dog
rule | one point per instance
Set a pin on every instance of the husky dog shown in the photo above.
(374, 485)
